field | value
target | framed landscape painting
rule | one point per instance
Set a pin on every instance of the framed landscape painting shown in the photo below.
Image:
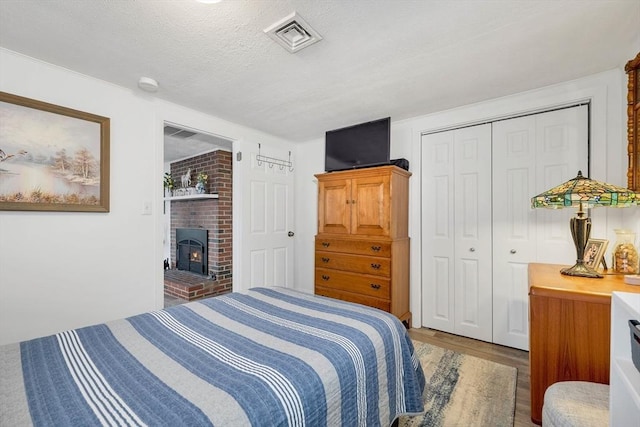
(52, 158)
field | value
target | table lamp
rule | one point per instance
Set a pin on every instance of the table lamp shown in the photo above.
(584, 193)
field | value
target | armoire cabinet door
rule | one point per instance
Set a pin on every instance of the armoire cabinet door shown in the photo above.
(334, 206)
(359, 206)
(370, 209)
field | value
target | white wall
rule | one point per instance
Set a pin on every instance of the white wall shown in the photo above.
(606, 91)
(310, 157)
(61, 270)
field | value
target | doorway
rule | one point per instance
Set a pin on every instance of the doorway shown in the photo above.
(198, 179)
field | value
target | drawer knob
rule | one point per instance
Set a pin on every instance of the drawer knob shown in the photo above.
(375, 286)
(326, 244)
(325, 277)
(376, 248)
(324, 259)
(375, 266)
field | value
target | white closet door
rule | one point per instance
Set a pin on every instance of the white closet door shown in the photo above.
(473, 293)
(530, 155)
(456, 243)
(514, 243)
(438, 231)
(561, 151)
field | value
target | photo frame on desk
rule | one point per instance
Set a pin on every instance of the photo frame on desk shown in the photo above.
(594, 253)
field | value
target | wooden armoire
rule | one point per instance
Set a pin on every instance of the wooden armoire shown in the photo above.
(362, 245)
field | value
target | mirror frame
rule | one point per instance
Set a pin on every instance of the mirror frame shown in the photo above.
(633, 123)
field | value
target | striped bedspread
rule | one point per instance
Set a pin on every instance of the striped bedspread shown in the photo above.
(268, 357)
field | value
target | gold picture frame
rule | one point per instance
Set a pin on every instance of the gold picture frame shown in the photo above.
(52, 158)
(594, 253)
(632, 69)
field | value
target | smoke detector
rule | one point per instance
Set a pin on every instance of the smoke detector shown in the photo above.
(293, 33)
(148, 84)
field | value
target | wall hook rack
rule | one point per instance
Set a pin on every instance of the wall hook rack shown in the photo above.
(272, 161)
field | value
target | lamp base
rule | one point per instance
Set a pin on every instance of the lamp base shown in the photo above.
(581, 270)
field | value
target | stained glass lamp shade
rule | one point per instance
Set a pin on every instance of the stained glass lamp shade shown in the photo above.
(584, 193)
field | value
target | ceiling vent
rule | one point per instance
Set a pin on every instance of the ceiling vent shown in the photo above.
(293, 33)
(177, 132)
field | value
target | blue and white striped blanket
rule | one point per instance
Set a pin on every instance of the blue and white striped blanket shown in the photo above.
(270, 357)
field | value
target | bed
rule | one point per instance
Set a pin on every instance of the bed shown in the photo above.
(267, 357)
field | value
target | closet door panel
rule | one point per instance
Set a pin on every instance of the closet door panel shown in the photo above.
(531, 154)
(473, 232)
(562, 150)
(479, 231)
(514, 172)
(441, 298)
(437, 231)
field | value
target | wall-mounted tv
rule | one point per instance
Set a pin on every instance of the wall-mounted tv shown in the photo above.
(359, 146)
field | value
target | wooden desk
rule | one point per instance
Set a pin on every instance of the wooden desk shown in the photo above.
(570, 328)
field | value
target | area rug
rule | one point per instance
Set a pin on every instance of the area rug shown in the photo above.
(463, 390)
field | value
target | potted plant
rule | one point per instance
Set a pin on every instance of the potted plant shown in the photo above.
(201, 179)
(169, 183)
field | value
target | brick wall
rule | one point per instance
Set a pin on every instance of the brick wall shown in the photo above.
(213, 214)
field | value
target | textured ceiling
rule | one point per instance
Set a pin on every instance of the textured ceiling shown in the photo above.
(176, 148)
(377, 58)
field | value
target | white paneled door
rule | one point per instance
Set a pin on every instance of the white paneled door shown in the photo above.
(267, 221)
(530, 155)
(456, 240)
(479, 232)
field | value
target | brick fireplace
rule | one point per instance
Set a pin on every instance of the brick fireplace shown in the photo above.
(212, 215)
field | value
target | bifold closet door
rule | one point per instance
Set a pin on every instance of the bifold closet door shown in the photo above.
(456, 231)
(531, 154)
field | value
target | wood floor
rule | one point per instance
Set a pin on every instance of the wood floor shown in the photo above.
(496, 353)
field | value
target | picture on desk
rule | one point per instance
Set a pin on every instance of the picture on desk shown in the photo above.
(594, 252)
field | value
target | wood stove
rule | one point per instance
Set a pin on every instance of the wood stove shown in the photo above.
(191, 250)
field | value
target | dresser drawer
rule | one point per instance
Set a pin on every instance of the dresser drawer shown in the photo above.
(354, 263)
(352, 246)
(360, 284)
(348, 296)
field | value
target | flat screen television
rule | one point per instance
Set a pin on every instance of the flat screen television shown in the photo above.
(359, 146)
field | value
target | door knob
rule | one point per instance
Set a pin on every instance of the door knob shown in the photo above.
(513, 251)
(472, 249)
(290, 234)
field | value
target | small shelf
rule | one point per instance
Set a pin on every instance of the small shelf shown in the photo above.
(630, 376)
(192, 197)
